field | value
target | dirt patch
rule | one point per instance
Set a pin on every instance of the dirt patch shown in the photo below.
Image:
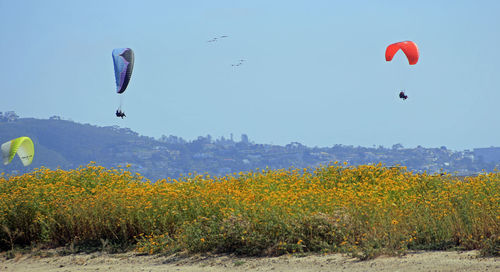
(124, 262)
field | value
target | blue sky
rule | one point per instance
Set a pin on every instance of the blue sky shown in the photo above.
(314, 72)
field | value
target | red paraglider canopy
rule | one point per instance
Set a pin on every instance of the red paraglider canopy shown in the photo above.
(409, 48)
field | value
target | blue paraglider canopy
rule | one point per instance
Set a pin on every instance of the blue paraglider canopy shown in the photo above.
(123, 60)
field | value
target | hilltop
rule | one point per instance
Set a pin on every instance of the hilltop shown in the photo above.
(66, 144)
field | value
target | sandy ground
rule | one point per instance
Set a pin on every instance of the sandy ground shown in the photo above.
(413, 261)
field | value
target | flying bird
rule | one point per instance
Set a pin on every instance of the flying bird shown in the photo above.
(240, 62)
(215, 38)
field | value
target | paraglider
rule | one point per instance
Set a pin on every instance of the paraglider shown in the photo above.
(402, 95)
(22, 146)
(123, 60)
(121, 114)
(410, 49)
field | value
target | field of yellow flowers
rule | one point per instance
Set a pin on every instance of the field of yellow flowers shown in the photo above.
(365, 211)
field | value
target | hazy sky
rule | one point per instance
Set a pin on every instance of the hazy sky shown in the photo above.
(315, 71)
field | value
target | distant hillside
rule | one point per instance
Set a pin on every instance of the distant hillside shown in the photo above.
(67, 145)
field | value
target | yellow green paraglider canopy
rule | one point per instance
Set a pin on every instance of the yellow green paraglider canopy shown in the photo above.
(24, 148)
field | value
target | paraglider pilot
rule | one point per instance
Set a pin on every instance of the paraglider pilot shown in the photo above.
(402, 95)
(121, 114)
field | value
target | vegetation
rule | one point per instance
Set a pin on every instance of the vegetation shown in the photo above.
(365, 211)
